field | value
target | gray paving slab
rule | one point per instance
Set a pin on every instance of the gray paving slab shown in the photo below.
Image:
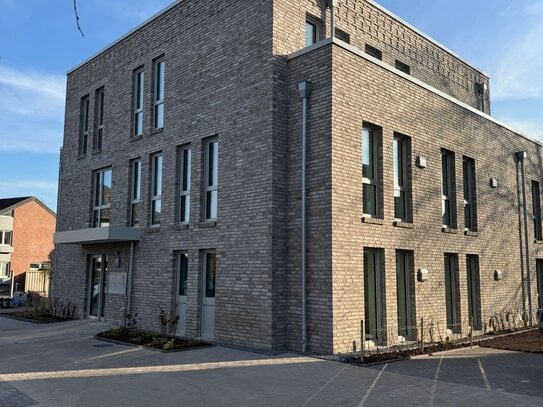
(62, 365)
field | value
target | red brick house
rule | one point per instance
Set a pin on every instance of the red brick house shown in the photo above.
(26, 235)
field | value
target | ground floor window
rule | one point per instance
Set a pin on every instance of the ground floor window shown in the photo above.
(98, 268)
(451, 292)
(374, 293)
(405, 294)
(474, 292)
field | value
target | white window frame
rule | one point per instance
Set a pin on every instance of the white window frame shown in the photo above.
(139, 87)
(84, 124)
(316, 24)
(159, 90)
(211, 181)
(5, 267)
(185, 177)
(135, 191)
(401, 159)
(3, 235)
(156, 187)
(99, 119)
(373, 140)
(98, 201)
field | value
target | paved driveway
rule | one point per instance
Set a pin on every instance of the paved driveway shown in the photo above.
(62, 365)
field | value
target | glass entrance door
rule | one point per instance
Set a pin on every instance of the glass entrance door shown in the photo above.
(208, 296)
(98, 266)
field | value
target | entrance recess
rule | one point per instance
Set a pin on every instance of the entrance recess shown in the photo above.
(208, 296)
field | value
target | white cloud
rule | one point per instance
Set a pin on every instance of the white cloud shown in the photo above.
(518, 73)
(31, 110)
(46, 191)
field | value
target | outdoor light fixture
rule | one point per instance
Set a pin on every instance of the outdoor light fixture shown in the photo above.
(422, 275)
(498, 275)
(421, 161)
(493, 183)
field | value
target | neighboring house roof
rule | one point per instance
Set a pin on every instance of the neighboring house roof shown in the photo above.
(9, 204)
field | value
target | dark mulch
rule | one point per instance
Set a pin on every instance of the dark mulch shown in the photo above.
(530, 341)
(150, 340)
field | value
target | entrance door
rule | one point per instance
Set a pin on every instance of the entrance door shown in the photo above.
(451, 292)
(404, 267)
(181, 301)
(539, 264)
(208, 296)
(96, 286)
(474, 292)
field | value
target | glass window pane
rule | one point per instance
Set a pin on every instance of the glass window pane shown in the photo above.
(211, 269)
(211, 208)
(370, 203)
(400, 205)
(135, 215)
(156, 212)
(367, 154)
(106, 187)
(183, 273)
(185, 208)
(158, 176)
(104, 217)
(186, 170)
(310, 33)
(159, 116)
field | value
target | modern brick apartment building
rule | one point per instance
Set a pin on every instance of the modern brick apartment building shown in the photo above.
(26, 236)
(181, 181)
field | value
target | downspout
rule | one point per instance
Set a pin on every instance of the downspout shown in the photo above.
(130, 279)
(521, 156)
(522, 278)
(304, 90)
(332, 4)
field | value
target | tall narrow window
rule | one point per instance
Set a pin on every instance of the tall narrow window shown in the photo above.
(99, 99)
(6, 237)
(84, 125)
(474, 292)
(371, 145)
(374, 293)
(448, 197)
(452, 298)
(4, 270)
(184, 178)
(160, 70)
(405, 297)
(312, 30)
(401, 147)
(139, 78)
(211, 178)
(102, 198)
(536, 210)
(135, 193)
(470, 202)
(156, 189)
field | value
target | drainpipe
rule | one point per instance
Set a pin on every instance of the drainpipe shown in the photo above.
(523, 278)
(332, 4)
(130, 279)
(520, 157)
(304, 90)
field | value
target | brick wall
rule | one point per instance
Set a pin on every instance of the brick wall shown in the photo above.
(33, 228)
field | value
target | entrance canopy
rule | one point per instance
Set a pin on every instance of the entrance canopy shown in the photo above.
(111, 234)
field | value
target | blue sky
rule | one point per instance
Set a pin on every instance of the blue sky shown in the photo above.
(39, 43)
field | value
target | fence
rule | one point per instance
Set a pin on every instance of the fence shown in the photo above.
(38, 281)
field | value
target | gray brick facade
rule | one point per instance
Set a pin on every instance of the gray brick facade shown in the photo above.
(231, 73)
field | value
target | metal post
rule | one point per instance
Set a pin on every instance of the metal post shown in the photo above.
(471, 330)
(362, 339)
(422, 335)
(304, 89)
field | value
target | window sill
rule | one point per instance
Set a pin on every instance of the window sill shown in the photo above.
(181, 227)
(134, 138)
(403, 225)
(538, 241)
(153, 229)
(81, 156)
(449, 230)
(156, 131)
(372, 221)
(97, 151)
(471, 233)
(208, 224)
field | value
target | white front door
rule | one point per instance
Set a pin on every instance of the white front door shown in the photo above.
(181, 296)
(208, 296)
